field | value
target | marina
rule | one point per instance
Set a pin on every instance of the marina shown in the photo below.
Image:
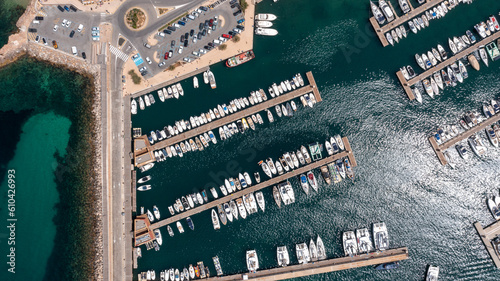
(143, 150)
(487, 235)
(324, 266)
(417, 79)
(381, 31)
(439, 149)
(213, 204)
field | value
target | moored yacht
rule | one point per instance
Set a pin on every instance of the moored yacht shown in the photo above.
(349, 242)
(380, 236)
(302, 253)
(282, 256)
(252, 261)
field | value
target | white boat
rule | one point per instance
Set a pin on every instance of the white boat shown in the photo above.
(380, 236)
(146, 100)
(304, 184)
(282, 256)
(215, 220)
(234, 209)
(227, 210)
(263, 23)
(313, 251)
(156, 212)
(266, 31)
(266, 169)
(321, 248)
(302, 253)
(133, 106)
(377, 13)
(252, 261)
(268, 17)
(179, 227)
(350, 244)
(195, 82)
(432, 273)
(205, 77)
(141, 103)
(312, 181)
(260, 200)
(144, 187)
(158, 236)
(386, 10)
(150, 216)
(364, 241)
(241, 208)
(211, 78)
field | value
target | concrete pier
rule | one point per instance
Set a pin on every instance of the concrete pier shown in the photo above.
(407, 84)
(487, 234)
(261, 185)
(215, 124)
(438, 149)
(381, 31)
(324, 266)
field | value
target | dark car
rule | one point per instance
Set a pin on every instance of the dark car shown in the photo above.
(60, 8)
(84, 56)
(240, 27)
(167, 31)
(172, 43)
(66, 8)
(182, 38)
(232, 1)
(237, 13)
(191, 32)
(204, 32)
(186, 43)
(203, 8)
(72, 8)
(181, 22)
(199, 36)
(32, 30)
(186, 35)
(38, 18)
(171, 28)
(205, 47)
(210, 44)
(144, 72)
(231, 33)
(201, 26)
(206, 23)
(72, 34)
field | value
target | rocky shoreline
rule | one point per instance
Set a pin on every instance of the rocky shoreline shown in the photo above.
(17, 47)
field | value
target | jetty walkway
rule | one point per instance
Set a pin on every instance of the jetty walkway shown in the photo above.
(275, 180)
(487, 234)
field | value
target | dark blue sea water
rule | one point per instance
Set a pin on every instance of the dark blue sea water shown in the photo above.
(427, 207)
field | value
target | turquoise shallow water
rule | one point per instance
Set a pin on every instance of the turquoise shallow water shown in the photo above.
(427, 207)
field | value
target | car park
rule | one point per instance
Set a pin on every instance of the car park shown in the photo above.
(148, 60)
(72, 34)
(55, 27)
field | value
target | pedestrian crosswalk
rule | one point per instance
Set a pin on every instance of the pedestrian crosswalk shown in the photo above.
(118, 53)
(41, 14)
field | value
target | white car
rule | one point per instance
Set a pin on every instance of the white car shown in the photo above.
(203, 51)
(74, 51)
(148, 60)
(187, 59)
(64, 22)
(68, 23)
(180, 49)
(194, 39)
(161, 34)
(80, 28)
(142, 69)
(95, 28)
(55, 27)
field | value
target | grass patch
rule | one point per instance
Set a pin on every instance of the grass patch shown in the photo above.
(135, 78)
(222, 47)
(136, 18)
(243, 5)
(174, 20)
(171, 67)
(236, 38)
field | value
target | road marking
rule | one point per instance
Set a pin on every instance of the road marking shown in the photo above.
(118, 53)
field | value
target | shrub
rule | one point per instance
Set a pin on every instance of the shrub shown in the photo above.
(236, 38)
(222, 47)
(135, 78)
(243, 4)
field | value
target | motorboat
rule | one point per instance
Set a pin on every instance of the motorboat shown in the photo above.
(170, 231)
(434, 86)
(313, 251)
(452, 45)
(404, 6)
(321, 248)
(380, 236)
(389, 38)
(302, 253)
(462, 151)
(266, 31)
(387, 266)
(304, 184)
(158, 237)
(271, 165)
(312, 180)
(215, 220)
(348, 169)
(428, 87)
(307, 158)
(326, 174)
(282, 256)
(222, 214)
(241, 208)
(483, 55)
(412, 27)
(141, 103)
(377, 13)
(234, 209)
(350, 244)
(179, 227)
(477, 145)
(386, 10)
(492, 136)
(436, 54)
(432, 273)
(417, 94)
(268, 17)
(463, 70)
(190, 223)
(144, 187)
(438, 79)
(276, 196)
(133, 106)
(442, 52)
(420, 61)
(257, 177)
(156, 212)
(252, 261)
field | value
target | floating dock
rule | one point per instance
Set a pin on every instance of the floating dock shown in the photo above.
(438, 149)
(487, 234)
(275, 180)
(407, 84)
(324, 266)
(143, 150)
(381, 31)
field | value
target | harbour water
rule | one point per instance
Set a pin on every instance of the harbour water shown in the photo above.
(427, 207)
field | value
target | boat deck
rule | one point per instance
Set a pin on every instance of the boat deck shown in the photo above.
(380, 31)
(407, 84)
(438, 149)
(324, 266)
(312, 87)
(213, 204)
(487, 234)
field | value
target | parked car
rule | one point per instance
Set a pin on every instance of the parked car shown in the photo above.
(191, 33)
(37, 39)
(161, 34)
(181, 23)
(72, 8)
(200, 27)
(199, 36)
(72, 34)
(95, 28)
(68, 23)
(66, 8)
(80, 28)
(55, 27)
(148, 60)
(180, 50)
(54, 44)
(44, 41)
(144, 73)
(187, 59)
(227, 36)
(186, 43)
(177, 26)
(142, 69)
(194, 39)
(182, 38)
(204, 32)
(74, 50)
(237, 30)
(161, 64)
(204, 8)
(32, 30)
(84, 56)
(135, 56)
(196, 53)
(240, 27)
(38, 18)
(172, 44)
(186, 35)
(170, 53)
(172, 28)
(147, 45)
(237, 13)
(202, 51)
(191, 17)
(166, 55)
(60, 8)
(211, 22)
(167, 31)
